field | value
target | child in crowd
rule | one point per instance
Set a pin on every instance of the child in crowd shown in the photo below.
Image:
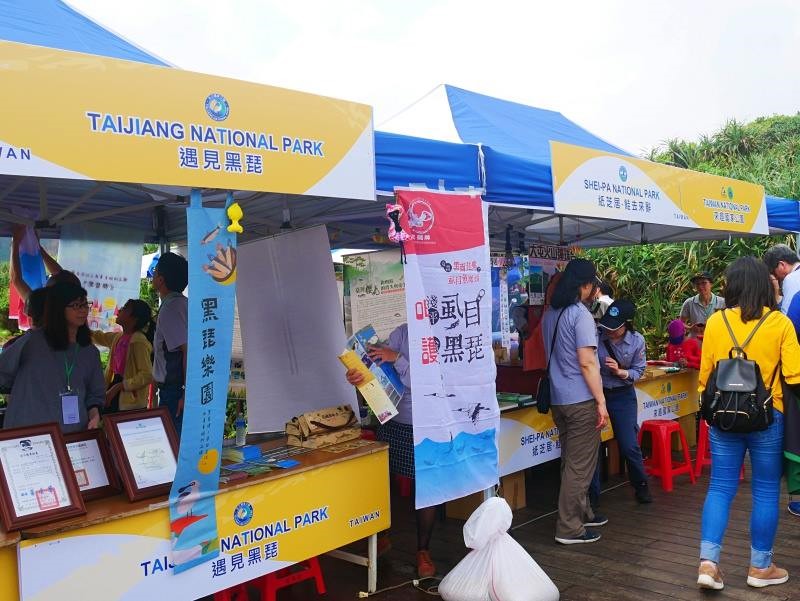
(682, 350)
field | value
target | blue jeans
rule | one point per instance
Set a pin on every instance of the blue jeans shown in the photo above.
(168, 396)
(623, 410)
(727, 456)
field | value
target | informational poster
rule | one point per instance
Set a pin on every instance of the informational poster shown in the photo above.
(593, 183)
(107, 260)
(292, 329)
(213, 268)
(544, 261)
(448, 293)
(509, 290)
(374, 283)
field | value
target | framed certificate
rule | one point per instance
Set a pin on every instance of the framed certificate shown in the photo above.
(145, 448)
(37, 484)
(92, 465)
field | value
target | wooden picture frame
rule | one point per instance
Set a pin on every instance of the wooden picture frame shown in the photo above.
(45, 494)
(141, 443)
(96, 452)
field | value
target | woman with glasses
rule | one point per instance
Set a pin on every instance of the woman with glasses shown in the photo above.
(130, 369)
(54, 373)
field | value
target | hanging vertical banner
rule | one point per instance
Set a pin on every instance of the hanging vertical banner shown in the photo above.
(108, 262)
(212, 293)
(449, 304)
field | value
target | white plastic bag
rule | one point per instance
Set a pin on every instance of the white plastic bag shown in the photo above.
(498, 568)
(516, 576)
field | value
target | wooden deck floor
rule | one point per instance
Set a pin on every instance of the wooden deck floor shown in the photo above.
(647, 551)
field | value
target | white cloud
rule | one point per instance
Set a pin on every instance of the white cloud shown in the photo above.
(634, 73)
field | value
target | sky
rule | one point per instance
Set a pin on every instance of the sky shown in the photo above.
(633, 72)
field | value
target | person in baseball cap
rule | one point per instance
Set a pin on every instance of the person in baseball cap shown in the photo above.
(621, 351)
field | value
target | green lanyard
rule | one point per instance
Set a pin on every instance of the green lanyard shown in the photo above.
(70, 367)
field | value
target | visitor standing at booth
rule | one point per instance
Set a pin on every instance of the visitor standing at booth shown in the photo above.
(578, 402)
(54, 372)
(622, 363)
(399, 433)
(783, 264)
(696, 309)
(170, 278)
(130, 368)
(774, 348)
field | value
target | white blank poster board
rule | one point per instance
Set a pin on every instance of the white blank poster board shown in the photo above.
(292, 329)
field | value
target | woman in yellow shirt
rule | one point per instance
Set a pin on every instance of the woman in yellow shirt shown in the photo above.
(130, 365)
(749, 294)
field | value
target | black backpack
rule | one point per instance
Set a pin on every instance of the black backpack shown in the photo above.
(735, 398)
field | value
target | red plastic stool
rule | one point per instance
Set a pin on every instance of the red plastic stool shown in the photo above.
(308, 569)
(404, 484)
(703, 457)
(235, 593)
(661, 464)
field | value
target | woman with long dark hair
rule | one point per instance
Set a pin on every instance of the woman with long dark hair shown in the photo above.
(130, 369)
(749, 296)
(54, 372)
(578, 403)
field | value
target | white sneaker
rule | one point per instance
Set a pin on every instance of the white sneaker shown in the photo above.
(709, 576)
(761, 577)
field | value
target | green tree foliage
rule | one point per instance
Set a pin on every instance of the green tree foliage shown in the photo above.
(656, 277)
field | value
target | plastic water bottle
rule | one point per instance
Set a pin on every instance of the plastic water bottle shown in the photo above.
(241, 430)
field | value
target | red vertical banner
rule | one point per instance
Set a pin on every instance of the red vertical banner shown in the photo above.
(449, 302)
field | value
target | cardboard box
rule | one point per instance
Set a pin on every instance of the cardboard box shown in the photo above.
(312, 423)
(324, 440)
(512, 489)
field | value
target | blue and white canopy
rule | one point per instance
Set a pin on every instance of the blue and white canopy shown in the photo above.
(513, 146)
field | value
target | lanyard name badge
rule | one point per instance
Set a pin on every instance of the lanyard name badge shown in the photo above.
(69, 398)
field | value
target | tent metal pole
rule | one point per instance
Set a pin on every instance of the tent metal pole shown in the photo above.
(43, 200)
(67, 210)
(112, 212)
(16, 184)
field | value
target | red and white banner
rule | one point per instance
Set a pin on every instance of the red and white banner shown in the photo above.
(449, 306)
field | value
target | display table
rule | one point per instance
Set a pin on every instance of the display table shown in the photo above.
(268, 522)
(528, 438)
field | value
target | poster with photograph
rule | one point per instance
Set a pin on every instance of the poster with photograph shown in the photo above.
(544, 261)
(375, 286)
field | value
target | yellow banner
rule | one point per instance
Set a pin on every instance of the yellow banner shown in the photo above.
(8, 572)
(593, 183)
(79, 116)
(528, 438)
(263, 527)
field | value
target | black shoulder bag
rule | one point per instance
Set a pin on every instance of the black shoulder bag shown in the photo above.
(735, 398)
(543, 395)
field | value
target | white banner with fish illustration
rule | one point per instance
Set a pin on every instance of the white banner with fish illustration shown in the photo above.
(449, 304)
(212, 282)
